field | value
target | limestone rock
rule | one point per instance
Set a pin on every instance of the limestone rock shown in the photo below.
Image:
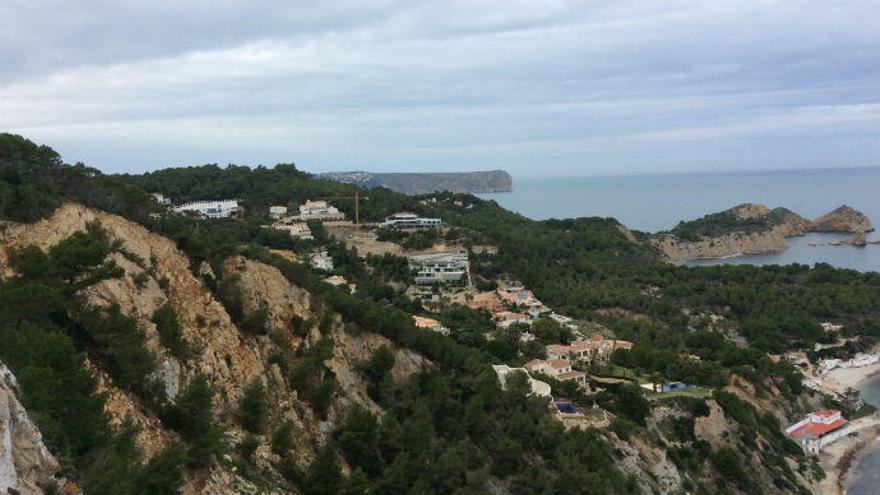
(26, 464)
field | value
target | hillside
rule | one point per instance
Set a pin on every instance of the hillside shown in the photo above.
(423, 183)
(163, 353)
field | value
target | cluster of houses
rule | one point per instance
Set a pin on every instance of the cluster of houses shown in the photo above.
(595, 350)
(861, 360)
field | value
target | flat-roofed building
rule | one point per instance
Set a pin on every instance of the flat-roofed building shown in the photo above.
(443, 267)
(223, 208)
(406, 220)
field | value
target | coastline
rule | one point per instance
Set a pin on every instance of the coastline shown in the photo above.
(840, 458)
(843, 378)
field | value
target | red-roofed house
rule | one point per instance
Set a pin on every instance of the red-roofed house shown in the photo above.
(817, 429)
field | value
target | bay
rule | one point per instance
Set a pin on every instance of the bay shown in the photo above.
(651, 203)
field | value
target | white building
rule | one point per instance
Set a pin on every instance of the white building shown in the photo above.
(406, 220)
(319, 210)
(277, 212)
(440, 267)
(321, 261)
(211, 209)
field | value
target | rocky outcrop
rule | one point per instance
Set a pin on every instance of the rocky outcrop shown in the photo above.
(857, 239)
(843, 219)
(262, 285)
(26, 465)
(752, 228)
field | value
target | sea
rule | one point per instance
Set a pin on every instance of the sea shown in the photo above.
(651, 203)
(865, 478)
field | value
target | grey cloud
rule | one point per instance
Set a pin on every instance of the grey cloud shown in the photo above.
(599, 86)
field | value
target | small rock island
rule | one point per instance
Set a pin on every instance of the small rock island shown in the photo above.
(753, 228)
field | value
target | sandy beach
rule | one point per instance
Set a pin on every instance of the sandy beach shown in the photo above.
(839, 458)
(843, 378)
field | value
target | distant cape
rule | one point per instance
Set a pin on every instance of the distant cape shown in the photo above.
(424, 183)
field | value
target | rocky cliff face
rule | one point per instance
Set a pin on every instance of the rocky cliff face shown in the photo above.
(753, 228)
(719, 247)
(228, 357)
(26, 466)
(843, 219)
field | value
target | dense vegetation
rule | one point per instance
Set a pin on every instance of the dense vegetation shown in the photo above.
(715, 224)
(451, 428)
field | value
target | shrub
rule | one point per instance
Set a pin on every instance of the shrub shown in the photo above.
(170, 334)
(252, 408)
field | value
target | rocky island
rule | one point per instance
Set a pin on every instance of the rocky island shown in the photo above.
(753, 228)
(424, 183)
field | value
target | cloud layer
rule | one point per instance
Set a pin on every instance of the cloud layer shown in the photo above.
(536, 87)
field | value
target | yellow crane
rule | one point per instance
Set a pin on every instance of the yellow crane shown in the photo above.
(357, 205)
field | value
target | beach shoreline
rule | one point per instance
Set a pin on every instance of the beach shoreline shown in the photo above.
(840, 458)
(843, 378)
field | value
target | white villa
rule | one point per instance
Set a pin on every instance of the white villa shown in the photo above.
(211, 209)
(321, 261)
(442, 267)
(319, 210)
(405, 220)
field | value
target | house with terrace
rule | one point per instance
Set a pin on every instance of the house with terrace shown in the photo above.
(559, 369)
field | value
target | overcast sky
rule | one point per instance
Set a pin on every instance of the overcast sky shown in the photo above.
(535, 87)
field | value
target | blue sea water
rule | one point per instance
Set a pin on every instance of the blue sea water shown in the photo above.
(866, 474)
(657, 202)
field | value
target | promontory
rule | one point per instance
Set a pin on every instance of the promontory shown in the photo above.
(750, 228)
